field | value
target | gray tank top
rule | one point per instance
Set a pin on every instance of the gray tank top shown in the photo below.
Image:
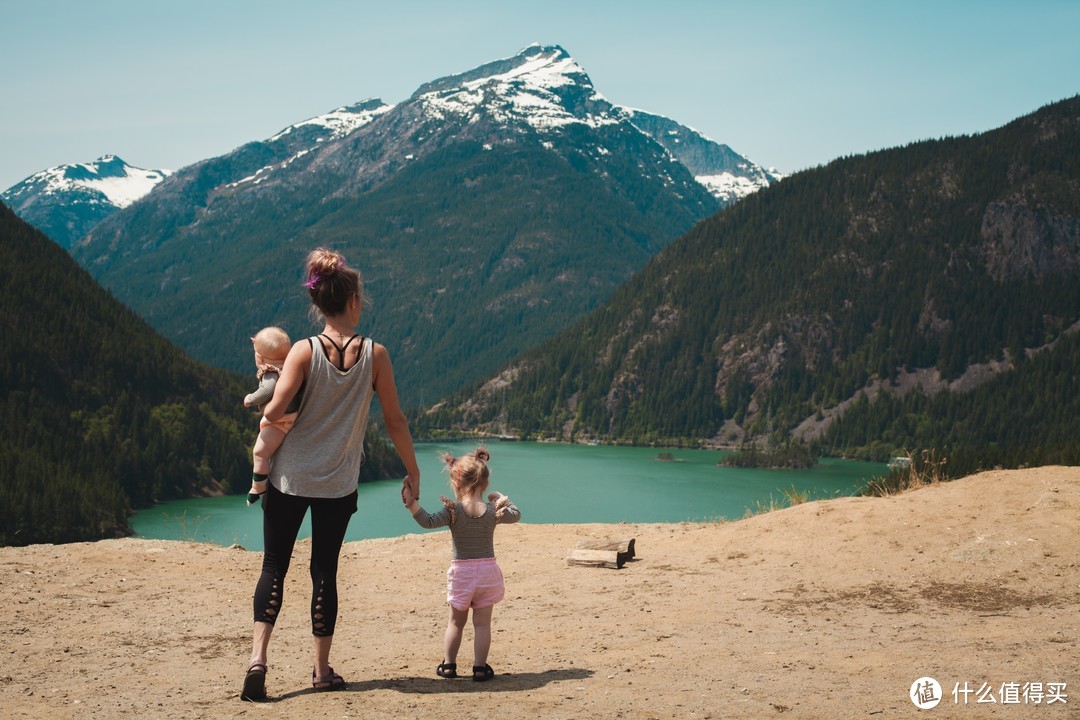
(322, 454)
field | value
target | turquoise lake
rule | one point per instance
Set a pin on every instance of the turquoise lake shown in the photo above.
(549, 482)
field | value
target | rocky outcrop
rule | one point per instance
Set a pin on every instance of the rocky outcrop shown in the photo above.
(1022, 241)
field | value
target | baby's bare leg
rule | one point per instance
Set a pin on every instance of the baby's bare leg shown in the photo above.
(266, 445)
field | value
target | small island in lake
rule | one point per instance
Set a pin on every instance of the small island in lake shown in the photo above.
(794, 457)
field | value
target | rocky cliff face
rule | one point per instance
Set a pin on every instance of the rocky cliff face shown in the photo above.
(1028, 241)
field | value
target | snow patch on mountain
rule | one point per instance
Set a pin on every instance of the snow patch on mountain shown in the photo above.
(305, 136)
(123, 191)
(728, 187)
(728, 175)
(262, 173)
(340, 122)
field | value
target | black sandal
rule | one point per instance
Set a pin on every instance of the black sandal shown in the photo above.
(446, 670)
(253, 497)
(482, 673)
(255, 683)
(330, 681)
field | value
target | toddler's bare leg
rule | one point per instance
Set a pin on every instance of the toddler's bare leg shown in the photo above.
(454, 629)
(481, 620)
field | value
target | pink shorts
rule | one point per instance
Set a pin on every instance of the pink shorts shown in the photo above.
(474, 584)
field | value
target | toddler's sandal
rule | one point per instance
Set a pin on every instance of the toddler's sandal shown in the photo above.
(482, 673)
(446, 670)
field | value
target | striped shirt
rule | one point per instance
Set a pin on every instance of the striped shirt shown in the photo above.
(473, 537)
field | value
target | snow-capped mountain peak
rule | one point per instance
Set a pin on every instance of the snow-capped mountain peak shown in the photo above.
(66, 201)
(541, 85)
(108, 179)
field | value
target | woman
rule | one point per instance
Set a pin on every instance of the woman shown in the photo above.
(318, 464)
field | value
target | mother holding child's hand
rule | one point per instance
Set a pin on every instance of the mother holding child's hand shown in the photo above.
(318, 463)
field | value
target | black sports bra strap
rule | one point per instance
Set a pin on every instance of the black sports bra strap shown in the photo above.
(340, 348)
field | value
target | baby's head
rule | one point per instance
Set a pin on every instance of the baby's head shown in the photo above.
(271, 345)
(468, 474)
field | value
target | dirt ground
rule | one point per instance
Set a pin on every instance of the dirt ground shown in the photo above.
(830, 609)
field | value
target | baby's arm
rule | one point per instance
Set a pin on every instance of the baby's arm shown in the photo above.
(265, 391)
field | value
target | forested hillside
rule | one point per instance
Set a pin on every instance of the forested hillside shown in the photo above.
(916, 274)
(98, 413)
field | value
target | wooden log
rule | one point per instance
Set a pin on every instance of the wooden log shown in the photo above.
(623, 545)
(595, 558)
(602, 553)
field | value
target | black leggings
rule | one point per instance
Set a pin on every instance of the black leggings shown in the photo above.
(282, 516)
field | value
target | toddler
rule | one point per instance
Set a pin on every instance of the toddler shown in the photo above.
(474, 580)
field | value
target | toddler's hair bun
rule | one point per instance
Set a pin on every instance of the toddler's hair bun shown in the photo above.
(482, 455)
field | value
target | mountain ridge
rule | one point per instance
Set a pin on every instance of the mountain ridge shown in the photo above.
(532, 214)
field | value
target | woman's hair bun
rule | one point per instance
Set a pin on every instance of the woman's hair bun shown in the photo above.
(482, 455)
(323, 262)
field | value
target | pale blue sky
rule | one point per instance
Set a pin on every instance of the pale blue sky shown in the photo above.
(789, 83)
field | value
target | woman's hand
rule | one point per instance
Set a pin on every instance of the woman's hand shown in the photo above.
(411, 484)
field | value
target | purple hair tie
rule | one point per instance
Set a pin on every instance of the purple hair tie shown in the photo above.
(310, 284)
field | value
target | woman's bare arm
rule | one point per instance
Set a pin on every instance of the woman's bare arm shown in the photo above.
(289, 383)
(396, 424)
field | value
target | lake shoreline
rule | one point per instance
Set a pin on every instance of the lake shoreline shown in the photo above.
(607, 484)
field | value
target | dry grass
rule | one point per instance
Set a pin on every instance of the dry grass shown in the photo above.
(921, 468)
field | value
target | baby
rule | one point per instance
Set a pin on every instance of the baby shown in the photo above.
(271, 347)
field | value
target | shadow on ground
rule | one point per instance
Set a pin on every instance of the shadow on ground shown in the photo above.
(430, 686)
